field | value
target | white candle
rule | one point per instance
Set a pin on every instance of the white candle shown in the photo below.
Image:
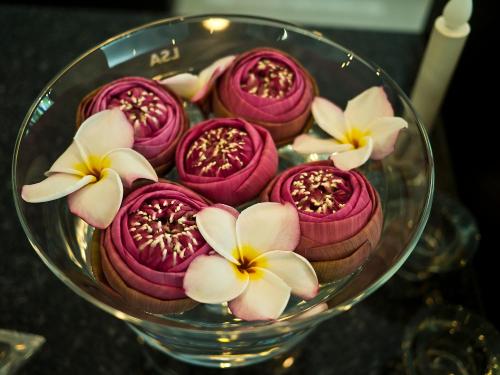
(440, 59)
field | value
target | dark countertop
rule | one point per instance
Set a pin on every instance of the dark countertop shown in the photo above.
(82, 339)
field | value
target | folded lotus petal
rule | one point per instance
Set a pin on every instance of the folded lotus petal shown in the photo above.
(384, 132)
(84, 111)
(130, 165)
(55, 186)
(370, 233)
(150, 244)
(346, 195)
(228, 160)
(154, 112)
(330, 270)
(282, 132)
(209, 75)
(105, 131)
(71, 161)
(106, 273)
(269, 88)
(317, 232)
(157, 283)
(265, 297)
(367, 106)
(138, 300)
(156, 229)
(307, 144)
(186, 85)
(330, 118)
(98, 203)
(345, 192)
(141, 281)
(293, 269)
(218, 228)
(267, 226)
(351, 159)
(336, 219)
(243, 85)
(97, 265)
(213, 279)
(343, 224)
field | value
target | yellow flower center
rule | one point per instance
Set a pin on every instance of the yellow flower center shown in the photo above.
(246, 257)
(93, 165)
(356, 137)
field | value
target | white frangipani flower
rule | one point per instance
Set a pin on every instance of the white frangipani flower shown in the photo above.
(255, 269)
(366, 129)
(93, 169)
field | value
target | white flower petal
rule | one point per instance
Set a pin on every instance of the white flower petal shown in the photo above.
(233, 211)
(213, 279)
(307, 144)
(71, 161)
(98, 203)
(105, 131)
(329, 117)
(129, 164)
(265, 297)
(384, 131)
(55, 186)
(354, 158)
(209, 75)
(218, 228)
(267, 226)
(367, 106)
(217, 67)
(186, 85)
(293, 269)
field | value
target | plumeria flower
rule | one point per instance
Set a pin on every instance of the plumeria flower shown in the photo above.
(195, 87)
(93, 169)
(255, 268)
(366, 129)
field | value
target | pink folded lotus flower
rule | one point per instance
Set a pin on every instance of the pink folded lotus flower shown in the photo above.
(267, 87)
(339, 212)
(228, 160)
(156, 114)
(151, 242)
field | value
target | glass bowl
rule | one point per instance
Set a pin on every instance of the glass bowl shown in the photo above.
(209, 335)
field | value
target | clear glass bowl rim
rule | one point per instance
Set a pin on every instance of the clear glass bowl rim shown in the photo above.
(285, 325)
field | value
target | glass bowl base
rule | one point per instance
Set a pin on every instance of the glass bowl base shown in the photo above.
(171, 359)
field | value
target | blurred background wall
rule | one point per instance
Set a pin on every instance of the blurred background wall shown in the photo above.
(389, 15)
